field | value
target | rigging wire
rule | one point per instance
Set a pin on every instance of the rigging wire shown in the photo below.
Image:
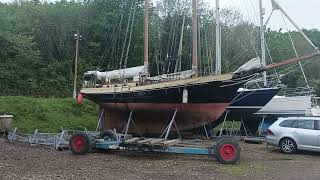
(235, 59)
(114, 34)
(271, 60)
(130, 36)
(251, 37)
(295, 50)
(126, 35)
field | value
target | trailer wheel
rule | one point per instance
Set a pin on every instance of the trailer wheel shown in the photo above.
(108, 135)
(227, 151)
(80, 144)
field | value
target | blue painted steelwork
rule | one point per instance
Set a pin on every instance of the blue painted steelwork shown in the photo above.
(172, 149)
(191, 150)
(107, 145)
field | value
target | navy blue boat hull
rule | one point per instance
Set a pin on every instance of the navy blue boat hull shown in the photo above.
(250, 101)
(153, 109)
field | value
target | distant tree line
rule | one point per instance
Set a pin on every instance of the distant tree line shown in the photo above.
(37, 45)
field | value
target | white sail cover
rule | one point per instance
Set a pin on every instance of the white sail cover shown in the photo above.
(179, 75)
(117, 74)
(254, 63)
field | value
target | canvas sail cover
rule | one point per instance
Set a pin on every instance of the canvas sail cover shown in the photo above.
(116, 74)
(253, 64)
(179, 75)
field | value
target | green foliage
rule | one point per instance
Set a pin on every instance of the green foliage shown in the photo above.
(49, 115)
(37, 47)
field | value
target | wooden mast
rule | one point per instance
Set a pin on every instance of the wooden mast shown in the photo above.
(194, 37)
(218, 39)
(146, 37)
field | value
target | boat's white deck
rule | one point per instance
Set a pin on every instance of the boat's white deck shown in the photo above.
(132, 88)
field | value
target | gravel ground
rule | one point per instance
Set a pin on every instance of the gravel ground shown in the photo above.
(19, 161)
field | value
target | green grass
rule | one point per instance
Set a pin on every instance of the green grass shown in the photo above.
(49, 115)
(243, 169)
(228, 125)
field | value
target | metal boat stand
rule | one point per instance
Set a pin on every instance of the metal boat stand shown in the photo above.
(168, 128)
(225, 150)
(233, 132)
(56, 141)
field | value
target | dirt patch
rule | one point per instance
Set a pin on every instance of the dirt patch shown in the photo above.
(18, 161)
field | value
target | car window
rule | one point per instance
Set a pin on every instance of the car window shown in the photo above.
(306, 124)
(316, 125)
(288, 123)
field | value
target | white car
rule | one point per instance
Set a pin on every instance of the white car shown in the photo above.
(295, 133)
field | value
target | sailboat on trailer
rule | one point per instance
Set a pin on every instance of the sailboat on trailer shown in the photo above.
(190, 100)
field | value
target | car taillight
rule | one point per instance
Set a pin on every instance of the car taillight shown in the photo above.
(270, 132)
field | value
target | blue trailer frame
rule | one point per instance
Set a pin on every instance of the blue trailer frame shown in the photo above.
(226, 150)
(119, 145)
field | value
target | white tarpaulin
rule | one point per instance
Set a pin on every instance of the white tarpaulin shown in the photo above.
(179, 75)
(254, 63)
(117, 74)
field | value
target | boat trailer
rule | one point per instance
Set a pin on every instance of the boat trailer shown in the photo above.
(226, 150)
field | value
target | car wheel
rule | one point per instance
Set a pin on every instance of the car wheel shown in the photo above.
(288, 146)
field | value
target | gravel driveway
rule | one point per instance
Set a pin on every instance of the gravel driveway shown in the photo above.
(19, 161)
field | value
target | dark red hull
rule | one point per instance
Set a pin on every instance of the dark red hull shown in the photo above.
(152, 118)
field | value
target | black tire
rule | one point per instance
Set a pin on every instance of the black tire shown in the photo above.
(108, 135)
(80, 144)
(227, 151)
(288, 146)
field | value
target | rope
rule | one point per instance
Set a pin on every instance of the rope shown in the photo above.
(251, 38)
(235, 59)
(271, 59)
(126, 35)
(130, 36)
(295, 50)
(108, 48)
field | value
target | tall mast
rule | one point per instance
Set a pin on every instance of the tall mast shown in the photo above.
(194, 36)
(178, 65)
(218, 39)
(146, 37)
(263, 44)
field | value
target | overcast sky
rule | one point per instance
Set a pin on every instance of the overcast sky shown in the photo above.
(305, 13)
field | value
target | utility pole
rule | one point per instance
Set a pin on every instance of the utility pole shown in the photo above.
(77, 37)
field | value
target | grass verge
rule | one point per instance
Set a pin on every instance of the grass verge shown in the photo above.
(48, 114)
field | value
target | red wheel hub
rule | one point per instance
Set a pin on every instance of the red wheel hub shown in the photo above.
(79, 143)
(228, 152)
